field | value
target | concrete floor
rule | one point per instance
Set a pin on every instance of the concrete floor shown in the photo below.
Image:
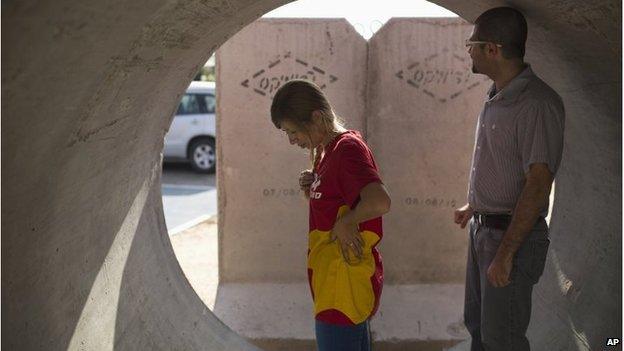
(292, 326)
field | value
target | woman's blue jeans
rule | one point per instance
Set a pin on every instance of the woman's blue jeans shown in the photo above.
(333, 337)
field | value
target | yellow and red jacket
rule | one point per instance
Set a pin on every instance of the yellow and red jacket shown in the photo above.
(343, 293)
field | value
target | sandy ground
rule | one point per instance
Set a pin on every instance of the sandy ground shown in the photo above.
(196, 250)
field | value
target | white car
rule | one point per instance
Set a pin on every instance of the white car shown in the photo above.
(191, 136)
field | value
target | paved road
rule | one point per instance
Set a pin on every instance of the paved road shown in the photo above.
(188, 197)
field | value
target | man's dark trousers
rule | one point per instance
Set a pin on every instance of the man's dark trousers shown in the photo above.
(498, 318)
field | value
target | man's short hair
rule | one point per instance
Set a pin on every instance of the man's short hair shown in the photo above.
(506, 26)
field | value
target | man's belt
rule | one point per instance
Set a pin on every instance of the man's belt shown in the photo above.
(493, 220)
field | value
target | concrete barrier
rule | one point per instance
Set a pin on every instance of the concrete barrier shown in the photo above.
(423, 105)
(422, 101)
(263, 220)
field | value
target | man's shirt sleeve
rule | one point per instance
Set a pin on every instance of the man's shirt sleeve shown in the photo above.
(540, 135)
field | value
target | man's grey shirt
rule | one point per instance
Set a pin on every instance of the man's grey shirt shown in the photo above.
(520, 125)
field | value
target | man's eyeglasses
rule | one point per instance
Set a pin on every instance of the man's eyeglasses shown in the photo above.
(470, 43)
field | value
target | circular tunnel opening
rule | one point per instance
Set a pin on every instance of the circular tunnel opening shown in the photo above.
(84, 196)
(425, 90)
(189, 191)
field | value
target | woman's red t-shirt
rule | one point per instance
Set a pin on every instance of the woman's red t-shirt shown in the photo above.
(343, 293)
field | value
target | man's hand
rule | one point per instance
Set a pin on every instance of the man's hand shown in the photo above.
(463, 215)
(499, 271)
(533, 198)
(349, 237)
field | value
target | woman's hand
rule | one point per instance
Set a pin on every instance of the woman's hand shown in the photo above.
(306, 179)
(349, 237)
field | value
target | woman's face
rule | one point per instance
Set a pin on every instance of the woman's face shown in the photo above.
(295, 135)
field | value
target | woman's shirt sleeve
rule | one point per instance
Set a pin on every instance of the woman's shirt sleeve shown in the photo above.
(356, 170)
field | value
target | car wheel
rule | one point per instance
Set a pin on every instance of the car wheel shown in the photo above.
(203, 155)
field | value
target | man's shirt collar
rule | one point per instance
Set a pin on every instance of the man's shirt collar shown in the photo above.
(514, 88)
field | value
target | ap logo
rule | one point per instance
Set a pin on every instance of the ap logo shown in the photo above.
(613, 341)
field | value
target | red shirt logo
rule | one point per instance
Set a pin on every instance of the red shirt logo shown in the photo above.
(315, 184)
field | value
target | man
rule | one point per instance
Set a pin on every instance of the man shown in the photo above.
(519, 141)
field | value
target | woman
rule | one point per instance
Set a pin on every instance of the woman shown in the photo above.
(347, 200)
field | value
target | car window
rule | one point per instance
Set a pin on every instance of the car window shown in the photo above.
(189, 105)
(209, 103)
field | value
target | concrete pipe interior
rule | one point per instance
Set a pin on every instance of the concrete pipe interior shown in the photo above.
(88, 89)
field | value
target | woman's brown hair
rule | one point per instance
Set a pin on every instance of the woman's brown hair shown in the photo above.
(295, 101)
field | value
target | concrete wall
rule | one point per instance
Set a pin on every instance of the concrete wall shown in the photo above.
(88, 90)
(422, 101)
(263, 220)
(423, 105)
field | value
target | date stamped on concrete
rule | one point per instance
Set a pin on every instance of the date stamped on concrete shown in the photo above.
(429, 201)
(281, 192)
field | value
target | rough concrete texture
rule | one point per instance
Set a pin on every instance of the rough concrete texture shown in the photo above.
(423, 105)
(416, 314)
(263, 217)
(88, 90)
